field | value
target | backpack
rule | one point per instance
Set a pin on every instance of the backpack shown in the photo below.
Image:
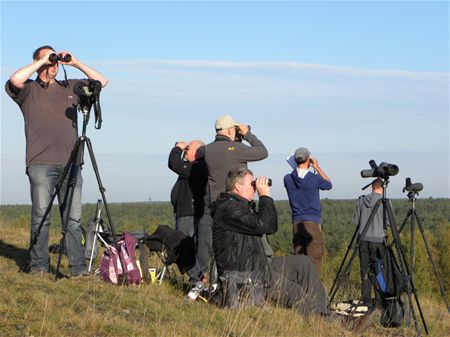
(389, 283)
(388, 278)
(111, 266)
(392, 312)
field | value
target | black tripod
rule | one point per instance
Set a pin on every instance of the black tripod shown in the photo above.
(388, 218)
(71, 171)
(412, 215)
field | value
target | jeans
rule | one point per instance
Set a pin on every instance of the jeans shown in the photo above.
(204, 242)
(43, 179)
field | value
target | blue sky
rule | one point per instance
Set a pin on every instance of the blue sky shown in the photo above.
(352, 81)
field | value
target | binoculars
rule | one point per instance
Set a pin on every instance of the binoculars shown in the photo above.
(53, 58)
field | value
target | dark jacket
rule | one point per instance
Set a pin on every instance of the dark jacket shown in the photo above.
(238, 230)
(188, 193)
(224, 154)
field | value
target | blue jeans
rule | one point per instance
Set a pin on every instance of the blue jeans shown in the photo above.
(43, 179)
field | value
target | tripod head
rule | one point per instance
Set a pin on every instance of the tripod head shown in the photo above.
(88, 95)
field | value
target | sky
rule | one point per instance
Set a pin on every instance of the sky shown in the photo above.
(351, 81)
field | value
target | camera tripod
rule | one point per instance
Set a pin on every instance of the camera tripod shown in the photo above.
(388, 218)
(70, 173)
(412, 214)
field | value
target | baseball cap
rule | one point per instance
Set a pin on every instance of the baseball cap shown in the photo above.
(301, 154)
(225, 122)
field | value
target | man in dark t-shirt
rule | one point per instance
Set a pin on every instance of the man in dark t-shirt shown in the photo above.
(49, 109)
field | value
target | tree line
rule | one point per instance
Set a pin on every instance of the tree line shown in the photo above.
(338, 228)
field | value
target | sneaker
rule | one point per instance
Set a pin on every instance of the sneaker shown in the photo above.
(196, 291)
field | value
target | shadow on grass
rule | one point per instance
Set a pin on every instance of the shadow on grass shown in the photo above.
(19, 255)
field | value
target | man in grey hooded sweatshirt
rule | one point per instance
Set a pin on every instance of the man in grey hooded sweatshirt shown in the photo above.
(374, 238)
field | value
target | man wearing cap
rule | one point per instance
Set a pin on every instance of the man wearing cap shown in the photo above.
(374, 236)
(226, 152)
(303, 188)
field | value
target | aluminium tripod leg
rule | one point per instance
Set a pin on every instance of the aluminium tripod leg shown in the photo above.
(105, 204)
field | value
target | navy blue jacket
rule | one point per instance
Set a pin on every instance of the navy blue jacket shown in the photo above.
(304, 196)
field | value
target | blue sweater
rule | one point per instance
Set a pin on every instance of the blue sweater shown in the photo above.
(304, 196)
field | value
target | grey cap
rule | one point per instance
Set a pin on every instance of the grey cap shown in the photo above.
(301, 154)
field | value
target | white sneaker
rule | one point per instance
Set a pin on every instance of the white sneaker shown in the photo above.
(196, 291)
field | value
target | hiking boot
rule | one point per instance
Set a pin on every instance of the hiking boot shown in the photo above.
(196, 291)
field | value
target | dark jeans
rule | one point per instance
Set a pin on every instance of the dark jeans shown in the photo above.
(367, 258)
(43, 179)
(204, 242)
(308, 240)
(188, 226)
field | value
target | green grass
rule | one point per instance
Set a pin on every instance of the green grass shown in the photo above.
(88, 307)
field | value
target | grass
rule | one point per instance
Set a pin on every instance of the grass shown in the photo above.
(88, 307)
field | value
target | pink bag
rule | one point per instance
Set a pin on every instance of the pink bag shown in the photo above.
(110, 266)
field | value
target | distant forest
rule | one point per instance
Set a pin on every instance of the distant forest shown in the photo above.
(337, 214)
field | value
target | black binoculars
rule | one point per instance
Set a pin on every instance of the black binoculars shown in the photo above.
(53, 58)
(268, 183)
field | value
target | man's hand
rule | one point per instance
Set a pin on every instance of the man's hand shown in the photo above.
(243, 128)
(262, 186)
(73, 60)
(181, 144)
(313, 162)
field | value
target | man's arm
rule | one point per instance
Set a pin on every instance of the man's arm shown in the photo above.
(240, 219)
(177, 164)
(19, 78)
(257, 150)
(326, 183)
(91, 73)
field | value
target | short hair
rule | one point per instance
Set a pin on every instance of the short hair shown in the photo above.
(236, 175)
(36, 52)
(377, 183)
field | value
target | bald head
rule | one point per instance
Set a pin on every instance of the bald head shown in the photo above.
(195, 150)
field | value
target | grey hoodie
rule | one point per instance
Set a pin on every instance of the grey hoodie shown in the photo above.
(364, 207)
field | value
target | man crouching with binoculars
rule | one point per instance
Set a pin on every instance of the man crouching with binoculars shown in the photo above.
(248, 274)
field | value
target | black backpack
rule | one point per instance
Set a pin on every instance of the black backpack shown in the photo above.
(390, 284)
